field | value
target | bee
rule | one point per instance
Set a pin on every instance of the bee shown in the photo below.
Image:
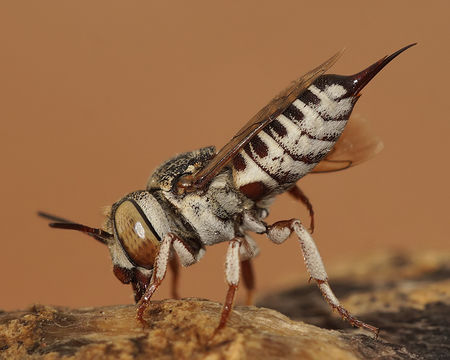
(204, 197)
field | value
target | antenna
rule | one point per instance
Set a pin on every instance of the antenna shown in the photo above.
(61, 223)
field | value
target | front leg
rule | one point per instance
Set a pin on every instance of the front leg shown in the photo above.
(170, 241)
(280, 231)
(175, 267)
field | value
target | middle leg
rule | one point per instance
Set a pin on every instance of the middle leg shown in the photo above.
(232, 274)
(248, 250)
(248, 277)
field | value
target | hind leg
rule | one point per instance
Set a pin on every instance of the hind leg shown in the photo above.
(280, 231)
(298, 194)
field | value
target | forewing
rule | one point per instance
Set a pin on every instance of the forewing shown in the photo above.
(357, 144)
(259, 121)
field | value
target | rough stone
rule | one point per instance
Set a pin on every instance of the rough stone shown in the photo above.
(408, 297)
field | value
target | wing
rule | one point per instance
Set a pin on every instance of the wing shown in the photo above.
(357, 144)
(253, 126)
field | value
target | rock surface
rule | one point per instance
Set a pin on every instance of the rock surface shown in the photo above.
(408, 297)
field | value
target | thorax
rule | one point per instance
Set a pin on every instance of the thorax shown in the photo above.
(213, 214)
(208, 216)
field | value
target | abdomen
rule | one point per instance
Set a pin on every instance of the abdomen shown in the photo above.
(290, 146)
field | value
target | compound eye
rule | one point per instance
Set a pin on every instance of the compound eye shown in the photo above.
(136, 234)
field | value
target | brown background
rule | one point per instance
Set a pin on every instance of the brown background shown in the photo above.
(95, 94)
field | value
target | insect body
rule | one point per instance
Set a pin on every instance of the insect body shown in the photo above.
(204, 197)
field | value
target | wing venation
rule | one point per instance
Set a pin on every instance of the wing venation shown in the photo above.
(357, 144)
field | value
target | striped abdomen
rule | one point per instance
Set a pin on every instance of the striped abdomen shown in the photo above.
(296, 141)
(290, 146)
